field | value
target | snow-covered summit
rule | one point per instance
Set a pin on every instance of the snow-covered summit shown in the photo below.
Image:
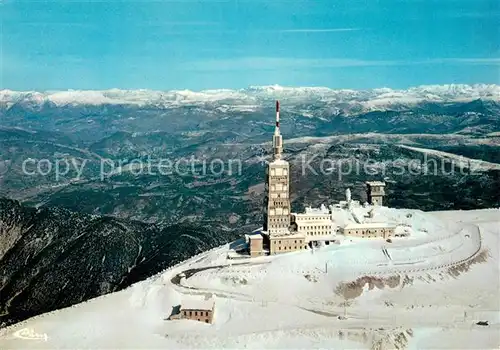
(425, 292)
(366, 99)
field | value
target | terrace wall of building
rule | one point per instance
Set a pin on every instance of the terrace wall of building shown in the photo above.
(369, 232)
(198, 315)
(286, 244)
(256, 246)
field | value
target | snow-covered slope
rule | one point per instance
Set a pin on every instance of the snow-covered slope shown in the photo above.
(427, 291)
(461, 161)
(364, 99)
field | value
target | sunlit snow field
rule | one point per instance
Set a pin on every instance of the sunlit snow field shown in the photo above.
(428, 293)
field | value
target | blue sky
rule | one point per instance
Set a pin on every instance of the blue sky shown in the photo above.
(187, 44)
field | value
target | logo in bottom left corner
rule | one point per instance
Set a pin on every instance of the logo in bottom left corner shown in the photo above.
(30, 334)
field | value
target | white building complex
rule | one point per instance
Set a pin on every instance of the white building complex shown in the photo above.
(284, 231)
(315, 224)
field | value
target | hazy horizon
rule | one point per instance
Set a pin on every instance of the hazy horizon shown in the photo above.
(277, 86)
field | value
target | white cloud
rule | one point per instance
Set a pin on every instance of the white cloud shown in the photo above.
(319, 30)
(275, 63)
(177, 23)
(481, 61)
(280, 63)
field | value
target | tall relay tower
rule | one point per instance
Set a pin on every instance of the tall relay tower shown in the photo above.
(277, 200)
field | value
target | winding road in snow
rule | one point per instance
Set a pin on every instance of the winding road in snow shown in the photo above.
(402, 268)
(176, 280)
(477, 235)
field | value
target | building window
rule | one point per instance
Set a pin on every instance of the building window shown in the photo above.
(196, 313)
(190, 313)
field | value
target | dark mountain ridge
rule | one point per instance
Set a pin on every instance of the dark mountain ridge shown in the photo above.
(52, 258)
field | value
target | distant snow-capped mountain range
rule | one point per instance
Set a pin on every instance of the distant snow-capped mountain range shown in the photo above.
(256, 96)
